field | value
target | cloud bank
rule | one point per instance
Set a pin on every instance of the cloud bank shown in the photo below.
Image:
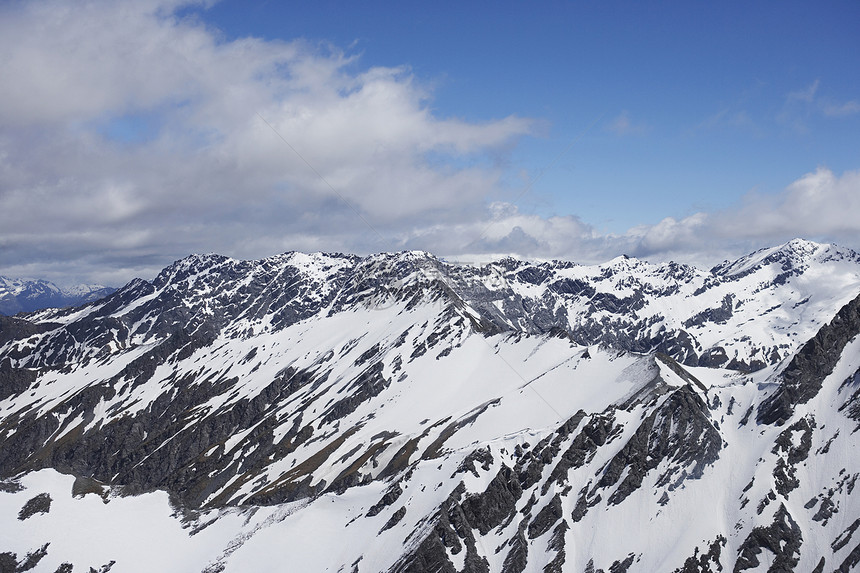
(131, 135)
(820, 205)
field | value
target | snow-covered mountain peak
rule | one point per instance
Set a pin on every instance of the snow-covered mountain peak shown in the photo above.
(19, 286)
(747, 316)
(396, 413)
(622, 262)
(794, 256)
(25, 295)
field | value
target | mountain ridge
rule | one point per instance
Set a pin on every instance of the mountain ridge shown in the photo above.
(578, 298)
(26, 295)
(429, 417)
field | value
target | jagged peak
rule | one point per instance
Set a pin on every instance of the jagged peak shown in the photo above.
(677, 271)
(624, 262)
(198, 260)
(401, 256)
(314, 259)
(507, 262)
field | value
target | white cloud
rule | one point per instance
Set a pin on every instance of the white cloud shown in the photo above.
(211, 175)
(80, 201)
(820, 205)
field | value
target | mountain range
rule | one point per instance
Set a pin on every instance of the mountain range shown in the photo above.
(22, 295)
(400, 413)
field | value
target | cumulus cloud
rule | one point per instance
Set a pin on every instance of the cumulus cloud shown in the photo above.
(131, 135)
(820, 205)
(506, 230)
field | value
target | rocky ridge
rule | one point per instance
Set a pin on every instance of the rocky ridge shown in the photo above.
(508, 417)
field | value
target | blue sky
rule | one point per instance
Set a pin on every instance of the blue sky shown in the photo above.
(135, 133)
(696, 103)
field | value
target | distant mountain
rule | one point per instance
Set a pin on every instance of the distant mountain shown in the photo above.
(21, 295)
(398, 413)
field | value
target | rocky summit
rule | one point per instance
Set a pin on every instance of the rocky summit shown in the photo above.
(403, 413)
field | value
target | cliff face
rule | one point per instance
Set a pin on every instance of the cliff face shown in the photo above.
(801, 380)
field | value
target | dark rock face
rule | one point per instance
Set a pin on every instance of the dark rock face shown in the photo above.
(495, 507)
(119, 453)
(459, 516)
(394, 519)
(845, 537)
(14, 380)
(452, 531)
(802, 378)
(39, 504)
(482, 456)
(622, 565)
(490, 509)
(367, 385)
(546, 517)
(707, 561)
(717, 315)
(596, 432)
(679, 431)
(851, 560)
(782, 538)
(12, 328)
(784, 473)
(390, 496)
(556, 543)
(517, 558)
(851, 406)
(9, 561)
